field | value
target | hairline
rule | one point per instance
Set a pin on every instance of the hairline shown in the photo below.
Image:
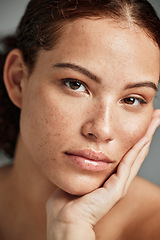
(109, 17)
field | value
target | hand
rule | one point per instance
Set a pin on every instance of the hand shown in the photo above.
(73, 218)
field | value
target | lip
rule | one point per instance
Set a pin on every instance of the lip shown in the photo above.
(89, 159)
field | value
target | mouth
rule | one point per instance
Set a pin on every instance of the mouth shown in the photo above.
(89, 160)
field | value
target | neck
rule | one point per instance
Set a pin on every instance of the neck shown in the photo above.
(29, 191)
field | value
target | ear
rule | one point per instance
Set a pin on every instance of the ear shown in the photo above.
(15, 72)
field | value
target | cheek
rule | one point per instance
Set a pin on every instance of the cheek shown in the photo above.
(48, 124)
(132, 131)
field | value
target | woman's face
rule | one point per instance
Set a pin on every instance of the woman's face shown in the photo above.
(92, 95)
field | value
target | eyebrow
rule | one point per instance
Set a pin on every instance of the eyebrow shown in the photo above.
(92, 76)
(78, 69)
(142, 84)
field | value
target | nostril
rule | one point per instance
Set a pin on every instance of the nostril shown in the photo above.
(92, 135)
(94, 132)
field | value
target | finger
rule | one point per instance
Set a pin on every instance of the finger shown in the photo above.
(133, 153)
(155, 122)
(144, 151)
(124, 168)
(136, 166)
(93, 206)
(130, 164)
(59, 199)
(156, 113)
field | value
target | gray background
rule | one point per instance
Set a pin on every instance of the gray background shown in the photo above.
(10, 13)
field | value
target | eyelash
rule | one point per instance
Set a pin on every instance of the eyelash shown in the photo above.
(68, 81)
(133, 99)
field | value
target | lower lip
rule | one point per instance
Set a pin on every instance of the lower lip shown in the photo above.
(88, 164)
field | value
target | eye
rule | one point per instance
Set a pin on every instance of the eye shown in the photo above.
(134, 101)
(75, 85)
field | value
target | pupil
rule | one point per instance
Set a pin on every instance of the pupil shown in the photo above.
(75, 85)
(129, 100)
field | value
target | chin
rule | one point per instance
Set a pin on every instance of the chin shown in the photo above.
(81, 189)
(79, 184)
(79, 192)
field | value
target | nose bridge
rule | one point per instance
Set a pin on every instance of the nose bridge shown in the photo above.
(100, 124)
(103, 117)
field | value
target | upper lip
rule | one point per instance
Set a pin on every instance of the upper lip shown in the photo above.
(91, 155)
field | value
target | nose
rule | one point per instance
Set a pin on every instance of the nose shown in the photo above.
(99, 124)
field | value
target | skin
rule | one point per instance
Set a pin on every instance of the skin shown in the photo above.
(97, 115)
(115, 130)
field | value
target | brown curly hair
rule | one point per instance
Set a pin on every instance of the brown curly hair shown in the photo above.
(42, 26)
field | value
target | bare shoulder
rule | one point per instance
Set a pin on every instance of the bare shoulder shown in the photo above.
(135, 217)
(146, 193)
(144, 223)
(142, 188)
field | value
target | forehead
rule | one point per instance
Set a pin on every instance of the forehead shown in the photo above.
(105, 44)
(105, 33)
